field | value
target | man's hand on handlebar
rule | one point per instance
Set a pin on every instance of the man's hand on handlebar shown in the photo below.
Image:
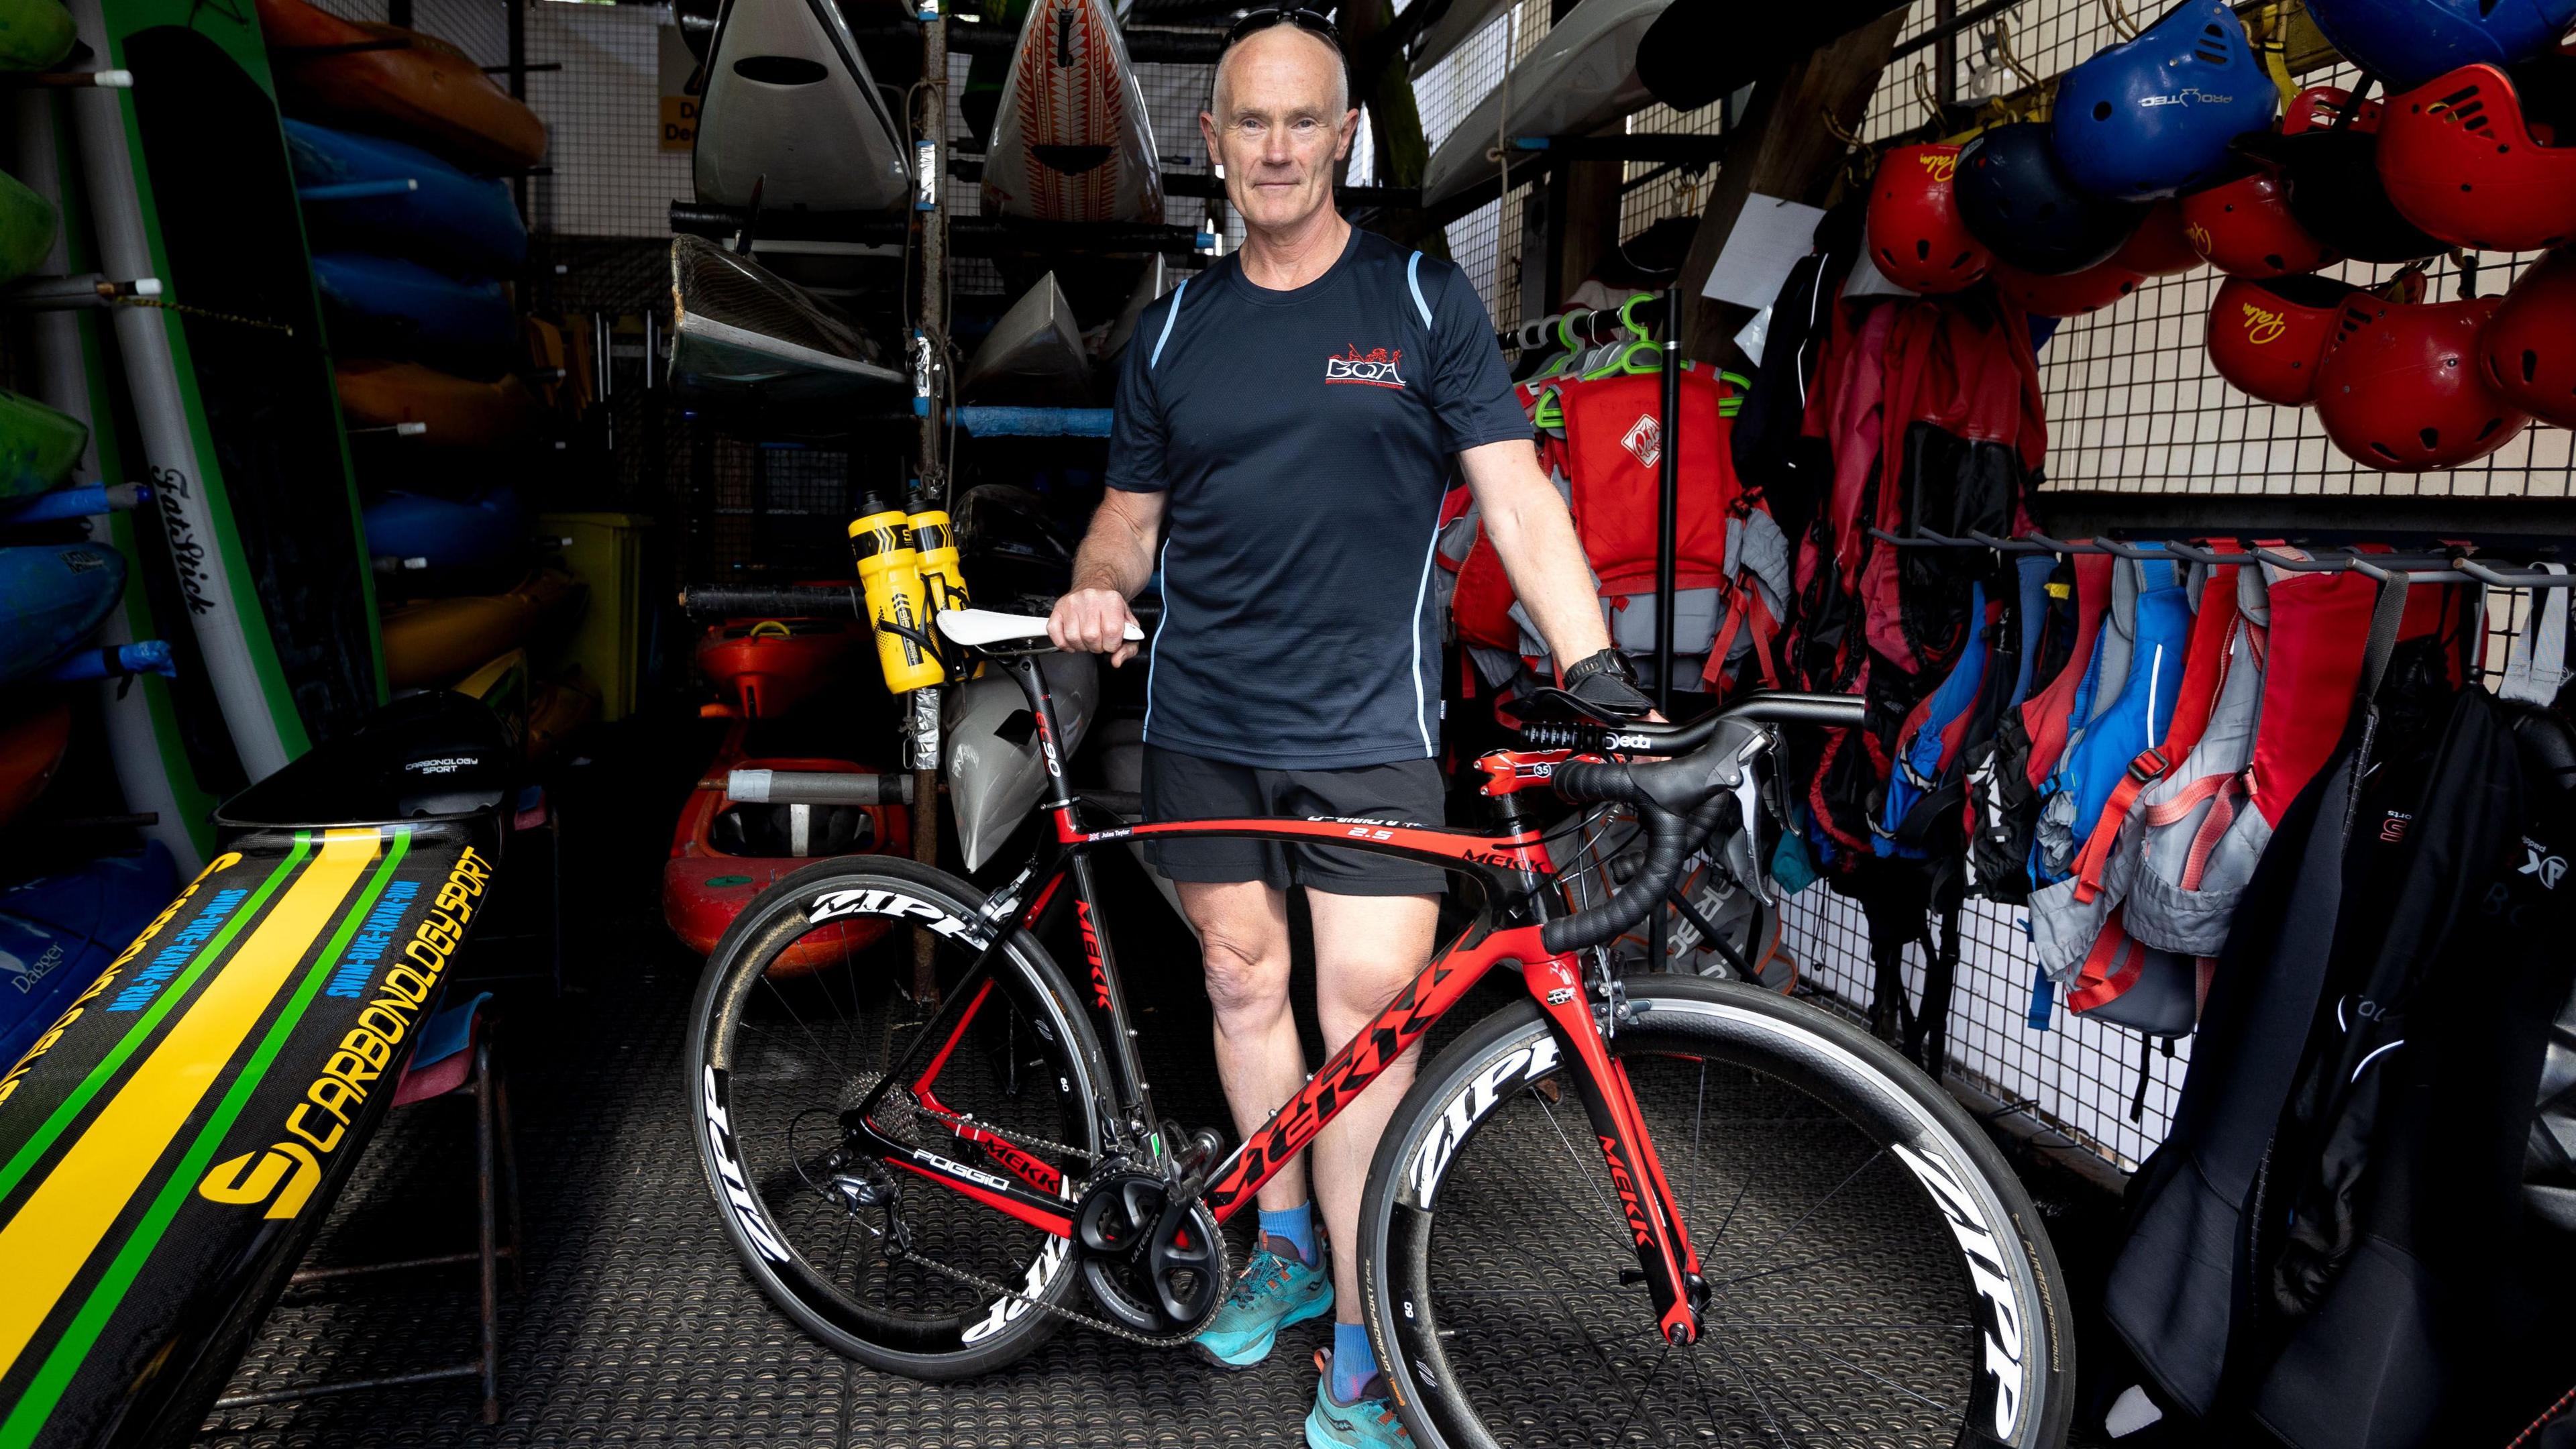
(1094, 621)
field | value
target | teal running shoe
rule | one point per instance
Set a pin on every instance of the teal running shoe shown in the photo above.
(1368, 1422)
(1278, 1289)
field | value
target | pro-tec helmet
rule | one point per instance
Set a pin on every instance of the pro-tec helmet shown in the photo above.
(2331, 172)
(2462, 160)
(2267, 336)
(2018, 201)
(2243, 226)
(2528, 348)
(2400, 389)
(2408, 42)
(1915, 235)
(2146, 118)
(2159, 247)
(2089, 290)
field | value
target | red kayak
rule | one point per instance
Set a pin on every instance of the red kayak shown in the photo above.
(723, 854)
(771, 665)
(31, 750)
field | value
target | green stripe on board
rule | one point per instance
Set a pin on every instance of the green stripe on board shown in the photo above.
(99, 1076)
(45, 1390)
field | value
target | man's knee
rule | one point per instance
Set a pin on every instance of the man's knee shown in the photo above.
(1247, 971)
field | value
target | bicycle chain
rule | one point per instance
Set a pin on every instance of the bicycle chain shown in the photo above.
(1224, 1264)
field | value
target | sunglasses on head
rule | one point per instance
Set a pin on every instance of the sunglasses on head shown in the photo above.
(1313, 22)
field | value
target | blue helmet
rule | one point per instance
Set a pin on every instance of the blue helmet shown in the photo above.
(2408, 42)
(2149, 117)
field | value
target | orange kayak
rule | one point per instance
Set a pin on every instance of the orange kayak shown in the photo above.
(424, 90)
(439, 641)
(31, 750)
(458, 412)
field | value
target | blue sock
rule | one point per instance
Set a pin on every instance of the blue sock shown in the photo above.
(1296, 1224)
(1353, 1361)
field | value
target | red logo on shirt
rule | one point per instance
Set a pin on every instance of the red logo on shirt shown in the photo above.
(1377, 367)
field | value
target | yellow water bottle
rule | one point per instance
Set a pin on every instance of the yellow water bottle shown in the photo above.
(934, 543)
(890, 576)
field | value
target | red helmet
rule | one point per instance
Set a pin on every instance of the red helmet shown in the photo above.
(2244, 228)
(1915, 234)
(2398, 391)
(2528, 349)
(2266, 335)
(2159, 248)
(2072, 295)
(2460, 159)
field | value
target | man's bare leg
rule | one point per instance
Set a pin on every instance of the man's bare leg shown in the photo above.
(1366, 949)
(1243, 942)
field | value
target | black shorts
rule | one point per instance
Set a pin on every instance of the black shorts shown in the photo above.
(1186, 787)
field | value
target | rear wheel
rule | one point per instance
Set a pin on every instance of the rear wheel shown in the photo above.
(847, 1245)
(1876, 1273)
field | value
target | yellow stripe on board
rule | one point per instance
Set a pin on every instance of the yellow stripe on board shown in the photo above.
(62, 1222)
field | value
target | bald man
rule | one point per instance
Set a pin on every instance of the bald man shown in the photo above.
(1287, 423)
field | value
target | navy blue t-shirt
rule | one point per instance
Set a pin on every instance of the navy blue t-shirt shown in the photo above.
(1305, 439)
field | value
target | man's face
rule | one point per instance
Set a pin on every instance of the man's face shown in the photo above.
(1280, 126)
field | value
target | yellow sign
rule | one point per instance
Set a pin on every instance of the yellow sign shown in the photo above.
(679, 122)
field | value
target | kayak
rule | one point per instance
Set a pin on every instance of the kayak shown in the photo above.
(388, 300)
(1456, 26)
(435, 641)
(159, 734)
(751, 344)
(1695, 54)
(769, 666)
(556, 708)
(58, 932)
(458, 223)
(31, 750)
(1073, 141)
(421, 88)
(1581, 77)
(34, 34)
(38, 445)
(456, 412)
(27, 225)
(791, 111)
(725, 854)
(52, 596)
(1034, 355)
(146, 1131)
(187, 180)
(481, 532)
(502, 685)
(1156, 279)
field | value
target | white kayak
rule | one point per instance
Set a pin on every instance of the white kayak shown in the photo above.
(1072, 141)
(790, 108)
(1033, 356)
(747, 344)
(1154, 281)
(1456, 26)
(1582, 76)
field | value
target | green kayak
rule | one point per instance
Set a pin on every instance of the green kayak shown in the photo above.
(38, 445)
(34, 34)
(27, 223)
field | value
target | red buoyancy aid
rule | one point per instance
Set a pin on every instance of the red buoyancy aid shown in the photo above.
(1614, 442)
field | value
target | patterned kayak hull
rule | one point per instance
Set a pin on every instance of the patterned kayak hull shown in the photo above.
(1072, 141)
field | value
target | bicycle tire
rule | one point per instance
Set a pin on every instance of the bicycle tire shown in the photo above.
(1464, 1355)
(736, 1136)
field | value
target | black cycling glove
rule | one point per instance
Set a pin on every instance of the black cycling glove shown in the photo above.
(1605, 686)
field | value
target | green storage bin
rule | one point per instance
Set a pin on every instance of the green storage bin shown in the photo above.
(606, 551)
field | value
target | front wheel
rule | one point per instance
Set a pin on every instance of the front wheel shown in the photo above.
(1876, 1274)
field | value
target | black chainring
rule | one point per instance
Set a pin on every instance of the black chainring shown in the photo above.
(1150, 1262)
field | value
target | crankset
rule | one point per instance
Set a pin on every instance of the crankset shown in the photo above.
(1153, 1265)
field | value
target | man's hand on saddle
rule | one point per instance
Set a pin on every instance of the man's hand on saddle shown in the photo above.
(1094, 621)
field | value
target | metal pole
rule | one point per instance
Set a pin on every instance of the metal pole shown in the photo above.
(1668, 495)
(931, 323)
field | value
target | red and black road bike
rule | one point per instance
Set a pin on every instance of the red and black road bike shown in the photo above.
(1659, 1207)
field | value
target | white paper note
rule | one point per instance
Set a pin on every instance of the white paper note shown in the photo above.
(1769, 238)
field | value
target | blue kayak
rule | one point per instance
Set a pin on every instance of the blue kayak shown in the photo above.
(402, 305)
(482, 531)
(454, 222)
(57, 932)
(51, 596)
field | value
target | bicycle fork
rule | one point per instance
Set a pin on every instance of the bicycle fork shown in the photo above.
(1666, 1260)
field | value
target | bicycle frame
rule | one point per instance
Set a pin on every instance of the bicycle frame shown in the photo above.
(1517, 874)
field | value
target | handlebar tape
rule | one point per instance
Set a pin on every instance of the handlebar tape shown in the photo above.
(1669, 841)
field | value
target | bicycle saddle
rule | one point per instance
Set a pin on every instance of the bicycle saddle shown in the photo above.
(980, 627)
